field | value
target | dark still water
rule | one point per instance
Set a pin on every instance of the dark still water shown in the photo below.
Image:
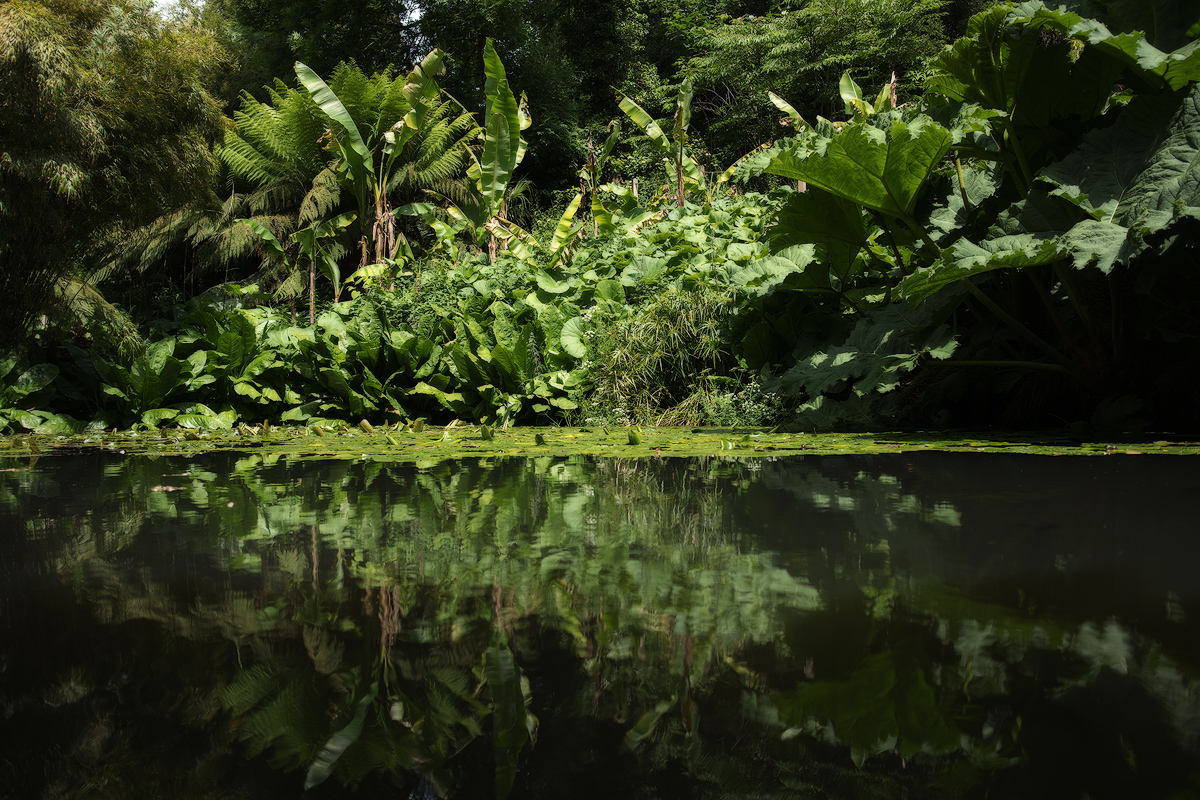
(904, 626)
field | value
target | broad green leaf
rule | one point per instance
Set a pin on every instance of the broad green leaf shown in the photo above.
(1130, 47)
(338, 743)
(34, 379)
(798, 122)
(563, 231)
(268, 238)
(353, 149)
(154, 375)
(966, 259)
(852, 96)
(156, 416)
(571, 337)
(331, 226)
(836, 225)
(1090, 241)
(503, 122)
(60, 425)
(658, 139)
(549, 283)
(610, 291)
(760, 277)
(236, 344)
(1100, 172)
(1164, 191)
(881, 164)
(420, 90)
(987, 66)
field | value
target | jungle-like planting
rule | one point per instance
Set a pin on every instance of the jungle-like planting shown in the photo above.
(1005, 235)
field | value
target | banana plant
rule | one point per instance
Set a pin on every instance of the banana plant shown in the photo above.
(593, 170)
(491, 170)
(673, 148)
(859, 108)
(367, 163)
(320, 257)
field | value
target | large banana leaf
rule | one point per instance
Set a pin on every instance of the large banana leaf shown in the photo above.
(354, 151)
(881, 164)
(798, 122)
(502, 143)
(564, 231)
(268, 239)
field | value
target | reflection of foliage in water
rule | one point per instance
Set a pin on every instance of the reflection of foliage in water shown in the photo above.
(372, 613)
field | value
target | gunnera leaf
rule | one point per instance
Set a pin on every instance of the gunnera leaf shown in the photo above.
(881, 163)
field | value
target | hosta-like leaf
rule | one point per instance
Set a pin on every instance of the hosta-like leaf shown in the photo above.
(881, 164)
(571, 337)
(156, 416)
(154, 375)
(34, 379)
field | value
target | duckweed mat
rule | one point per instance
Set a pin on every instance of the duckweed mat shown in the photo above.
(417, 442)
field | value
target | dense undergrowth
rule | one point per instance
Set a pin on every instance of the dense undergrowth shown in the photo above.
(1017, 247)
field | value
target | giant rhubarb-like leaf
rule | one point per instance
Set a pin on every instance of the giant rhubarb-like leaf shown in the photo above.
(1174, 69)
(881, 163)
(1141, 173)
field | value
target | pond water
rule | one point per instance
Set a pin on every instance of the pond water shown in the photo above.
(880, 626)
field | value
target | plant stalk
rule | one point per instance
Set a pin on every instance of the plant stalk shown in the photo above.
(1048, 302)
(1013, 323)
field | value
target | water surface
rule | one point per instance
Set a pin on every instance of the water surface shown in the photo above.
(909, 625)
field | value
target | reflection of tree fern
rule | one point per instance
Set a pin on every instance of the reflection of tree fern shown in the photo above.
(293, 723)
(249, 688)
